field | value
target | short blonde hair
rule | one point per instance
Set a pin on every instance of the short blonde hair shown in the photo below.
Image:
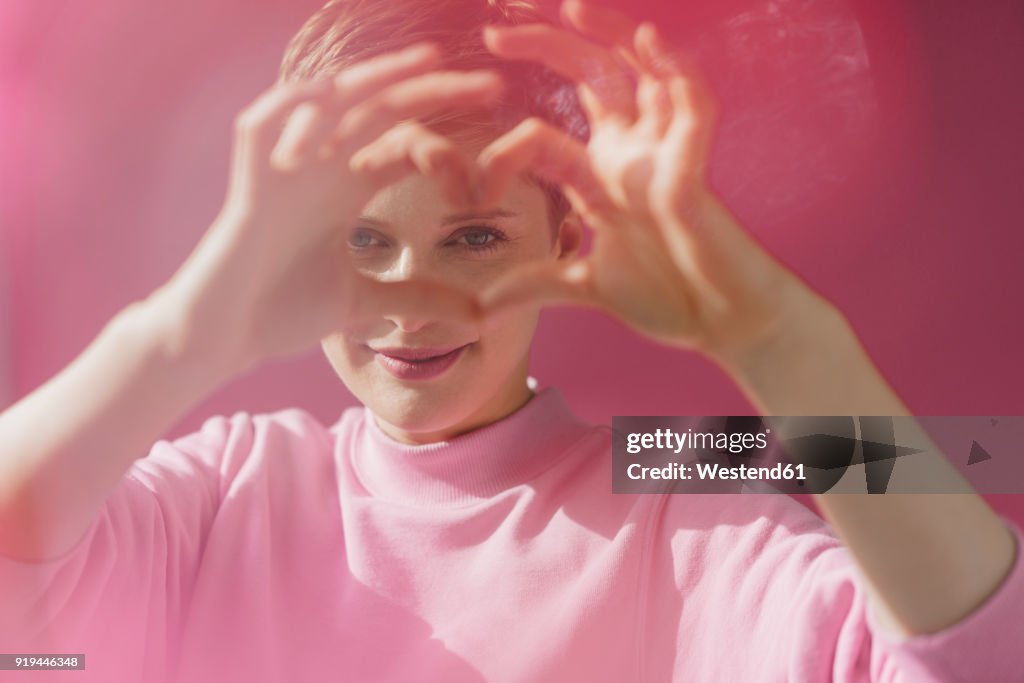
(344, 32)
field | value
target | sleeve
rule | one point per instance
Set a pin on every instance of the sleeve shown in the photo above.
(117, 594)
(838, 637)
(769, 593)
(983, 646)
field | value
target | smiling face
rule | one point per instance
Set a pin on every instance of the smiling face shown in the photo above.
(407, 231)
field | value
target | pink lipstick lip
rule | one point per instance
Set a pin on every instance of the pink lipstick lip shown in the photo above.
(419, 353)
(427, 367)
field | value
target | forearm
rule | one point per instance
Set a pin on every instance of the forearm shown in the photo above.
(929, 559)
(813, 364)
(64, 447)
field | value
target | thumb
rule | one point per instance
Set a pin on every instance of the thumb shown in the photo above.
(544, 284)
(419, 297)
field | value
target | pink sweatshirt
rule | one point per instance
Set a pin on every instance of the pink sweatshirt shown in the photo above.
(274, 548)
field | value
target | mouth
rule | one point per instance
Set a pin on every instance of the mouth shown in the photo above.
(418, 363)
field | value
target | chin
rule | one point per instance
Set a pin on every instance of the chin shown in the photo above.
(416, 409)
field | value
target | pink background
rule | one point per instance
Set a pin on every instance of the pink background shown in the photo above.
(875, 147)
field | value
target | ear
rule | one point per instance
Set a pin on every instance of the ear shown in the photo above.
(570, 236)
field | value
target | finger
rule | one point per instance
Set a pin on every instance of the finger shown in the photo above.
(370, 298)
(290, 152)
(372, 75)
(654, 107)
(601, 23)
(312, 123)
(657, 55)
(693, 108)
(536, 146)
(591, 66)
(417, 97)
(667, 63)
(258, 126)
(606, 26)
(411, 146)
(691, 124)
(547, 283)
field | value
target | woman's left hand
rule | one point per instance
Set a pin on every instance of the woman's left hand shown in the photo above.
(667, 259)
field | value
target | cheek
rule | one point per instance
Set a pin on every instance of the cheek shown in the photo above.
(483, 270)
(511, 331)
(343, 358)
(478, 276)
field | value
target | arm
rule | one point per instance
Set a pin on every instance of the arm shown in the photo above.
(67, 444)
(929, 560)
(670, 261)
(269, 278)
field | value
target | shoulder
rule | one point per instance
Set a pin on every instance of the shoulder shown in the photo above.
(225, 444)
(743, 534)
(247, 431)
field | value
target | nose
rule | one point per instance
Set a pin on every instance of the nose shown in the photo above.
(407, 322)
(405, 268)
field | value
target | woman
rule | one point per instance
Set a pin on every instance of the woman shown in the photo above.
(459, 526)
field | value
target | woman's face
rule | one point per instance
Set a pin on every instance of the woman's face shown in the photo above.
(409, 230)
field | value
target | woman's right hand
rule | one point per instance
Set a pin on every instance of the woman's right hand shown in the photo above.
(272, 276)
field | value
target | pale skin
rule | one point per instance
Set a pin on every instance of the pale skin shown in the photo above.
(668, 260)
(663, 237)
(408, 232)
(267, 279)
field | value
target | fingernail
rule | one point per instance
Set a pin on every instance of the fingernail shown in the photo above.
(491, 36)
(653, 36)
(486, 77)
(568, 8)
(424, 50)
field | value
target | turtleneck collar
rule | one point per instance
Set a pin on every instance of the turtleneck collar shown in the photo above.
(472, 466)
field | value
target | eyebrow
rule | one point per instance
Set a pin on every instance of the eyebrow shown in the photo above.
(454, 218)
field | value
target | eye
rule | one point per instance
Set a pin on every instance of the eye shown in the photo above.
(478, 238)
(361, 239)
(482, 238)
